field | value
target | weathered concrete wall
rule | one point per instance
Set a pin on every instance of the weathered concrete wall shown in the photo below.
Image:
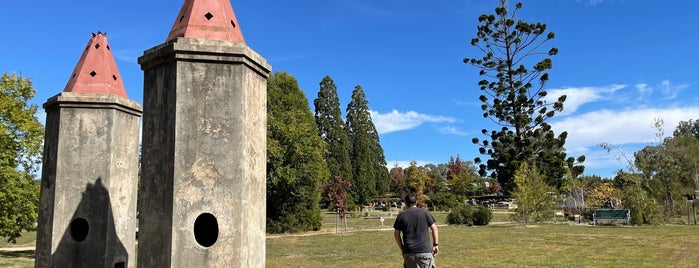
(204, 155)
(89, 182)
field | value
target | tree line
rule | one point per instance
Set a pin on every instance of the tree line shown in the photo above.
(317, 158)
(310, 153)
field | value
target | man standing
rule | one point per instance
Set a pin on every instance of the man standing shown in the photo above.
(415, 243)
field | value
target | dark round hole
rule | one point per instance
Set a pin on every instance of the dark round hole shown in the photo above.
(79, 229)
(206, 229)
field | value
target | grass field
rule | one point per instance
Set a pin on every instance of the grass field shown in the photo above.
(501, 244)
(18, 259)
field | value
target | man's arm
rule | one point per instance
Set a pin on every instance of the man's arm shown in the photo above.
(399, 241)
(435, 238)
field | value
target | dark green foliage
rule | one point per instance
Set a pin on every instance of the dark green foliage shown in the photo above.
(482, 216)
(636, 197)
(514, 98)
(295, 166)
(331, 129)
(470, 215)
(458, 217)
(683, 145)
(21, 137)
(369, 173)
(444, 201)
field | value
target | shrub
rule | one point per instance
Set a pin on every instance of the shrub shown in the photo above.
(457, 216)
(470, 215)
(481, 216)
(444, 201)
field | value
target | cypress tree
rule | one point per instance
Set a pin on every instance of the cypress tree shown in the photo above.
(295, 166)
(369, 173)
(331, 129)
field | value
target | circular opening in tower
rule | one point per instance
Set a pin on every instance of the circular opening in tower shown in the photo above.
(206, 229)
(79, 229)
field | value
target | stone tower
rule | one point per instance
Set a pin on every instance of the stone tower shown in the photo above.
(204, 144)
(90, 168)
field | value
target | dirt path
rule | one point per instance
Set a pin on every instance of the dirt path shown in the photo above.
(16, 249)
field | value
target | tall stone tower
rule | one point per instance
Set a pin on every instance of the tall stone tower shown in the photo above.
(204, 144)
(89, 180)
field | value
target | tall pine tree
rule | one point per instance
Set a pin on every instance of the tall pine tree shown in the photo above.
(331, 128)
(515, 99)
(295, 166)
(369, 173)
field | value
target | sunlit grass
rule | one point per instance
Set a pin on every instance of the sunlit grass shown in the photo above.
(18, 259)
(550, 245)
(505, 244)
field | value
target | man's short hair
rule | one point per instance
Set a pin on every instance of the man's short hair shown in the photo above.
(410, 199)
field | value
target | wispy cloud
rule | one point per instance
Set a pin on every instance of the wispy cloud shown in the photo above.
(397, 121)
(599, 2)
(126, 55)
(452, 130)
(644, 91)
(619, 127)
(669, 90)
(579, 96)
(590, 2)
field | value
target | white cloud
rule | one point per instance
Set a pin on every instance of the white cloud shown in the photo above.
(453, 131)
(644, 91)
(669, 90)
(397, 121)
(126, 55)
(620, 127)
(579, 96)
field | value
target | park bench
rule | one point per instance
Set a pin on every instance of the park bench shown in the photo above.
(611, 214)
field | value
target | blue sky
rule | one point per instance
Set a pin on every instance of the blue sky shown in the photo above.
(622, 63)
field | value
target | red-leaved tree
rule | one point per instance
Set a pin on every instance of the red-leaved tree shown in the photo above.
(337, 194)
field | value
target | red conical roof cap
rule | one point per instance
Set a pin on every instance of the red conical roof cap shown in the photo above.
(96, 71)
(207, 19)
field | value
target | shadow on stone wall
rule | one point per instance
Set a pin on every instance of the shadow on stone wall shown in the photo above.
(90, 240)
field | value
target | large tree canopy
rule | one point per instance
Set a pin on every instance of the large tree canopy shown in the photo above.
(515, 100)
(295, 166)
(21, 137)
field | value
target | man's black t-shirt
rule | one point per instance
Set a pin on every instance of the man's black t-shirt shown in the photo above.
(415, 223)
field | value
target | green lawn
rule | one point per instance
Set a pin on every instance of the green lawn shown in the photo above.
(552, 245)
(18, 259)
(368, 244)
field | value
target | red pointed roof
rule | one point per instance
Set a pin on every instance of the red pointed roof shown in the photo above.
(96, 71)
(207, 19)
